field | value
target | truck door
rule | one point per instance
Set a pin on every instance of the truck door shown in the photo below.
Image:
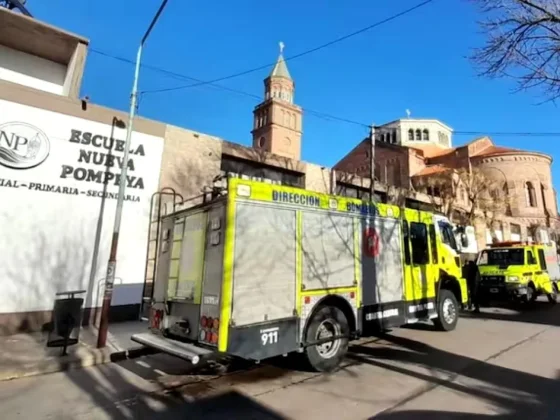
(542, 273)
(417, 268)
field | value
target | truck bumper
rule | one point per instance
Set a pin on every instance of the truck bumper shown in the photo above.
(176, 348)
(503, 292)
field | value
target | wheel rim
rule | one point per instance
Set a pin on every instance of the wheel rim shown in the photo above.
(328, 328)
(449, 311)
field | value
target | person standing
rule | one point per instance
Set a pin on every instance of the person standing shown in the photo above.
(472, 277)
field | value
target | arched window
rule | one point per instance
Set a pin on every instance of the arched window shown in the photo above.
(530, 196)
(411, 134)
(394, 135)
(426, 134)
(418, 134)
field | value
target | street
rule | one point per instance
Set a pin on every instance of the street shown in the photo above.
(500, 364)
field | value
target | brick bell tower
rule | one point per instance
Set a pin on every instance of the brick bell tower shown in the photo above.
(277, 121)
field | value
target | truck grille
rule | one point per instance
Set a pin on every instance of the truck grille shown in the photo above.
(493, 280)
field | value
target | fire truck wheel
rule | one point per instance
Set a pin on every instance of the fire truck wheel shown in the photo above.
(447, 310)
(553, 297)
(327, 321)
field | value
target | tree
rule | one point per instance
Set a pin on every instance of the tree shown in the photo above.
(442, 189)
(523, 42)
(464, 195)
(485, 197)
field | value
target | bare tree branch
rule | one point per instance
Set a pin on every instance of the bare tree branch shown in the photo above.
(522, 42)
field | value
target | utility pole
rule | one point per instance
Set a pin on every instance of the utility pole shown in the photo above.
(112, 264)
(372, 163)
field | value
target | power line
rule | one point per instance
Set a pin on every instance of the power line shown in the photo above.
(318, 114)
(312, 50)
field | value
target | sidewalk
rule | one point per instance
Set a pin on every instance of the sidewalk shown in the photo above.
(27, 354)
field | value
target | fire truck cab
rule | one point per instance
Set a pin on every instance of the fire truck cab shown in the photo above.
(518, 270)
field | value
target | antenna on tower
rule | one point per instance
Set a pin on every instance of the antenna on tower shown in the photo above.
(408, 113)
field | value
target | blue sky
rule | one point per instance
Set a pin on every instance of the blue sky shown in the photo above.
(416, 62)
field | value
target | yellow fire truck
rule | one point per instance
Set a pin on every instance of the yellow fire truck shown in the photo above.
(267, 270)
(518, 270)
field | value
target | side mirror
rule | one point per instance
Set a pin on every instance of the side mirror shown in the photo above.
(464, 240)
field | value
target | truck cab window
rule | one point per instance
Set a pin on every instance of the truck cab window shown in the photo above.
(542, 259)
(419, 243)
(406, 239)
(433, 244)
(531, 258)
(447, 235)
(502, 257)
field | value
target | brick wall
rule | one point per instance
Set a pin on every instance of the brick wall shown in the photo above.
(517, 170)
(391, 163)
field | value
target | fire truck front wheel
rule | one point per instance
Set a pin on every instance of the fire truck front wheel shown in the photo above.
(447, 311)
(326, 322)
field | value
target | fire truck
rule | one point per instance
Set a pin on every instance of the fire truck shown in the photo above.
(519, 271)
(266, 270)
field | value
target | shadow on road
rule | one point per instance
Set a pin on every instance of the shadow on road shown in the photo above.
(520, 394)
(105, 386)
(540, 313)
(229, 405)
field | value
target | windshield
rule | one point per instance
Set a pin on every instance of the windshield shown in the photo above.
(447, 235)
(502, 257)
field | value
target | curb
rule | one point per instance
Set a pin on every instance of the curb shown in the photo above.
(96, 357)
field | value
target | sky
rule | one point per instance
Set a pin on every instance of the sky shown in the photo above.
(417, 62)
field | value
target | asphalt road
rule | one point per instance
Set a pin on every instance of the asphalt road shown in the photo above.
(501, 364)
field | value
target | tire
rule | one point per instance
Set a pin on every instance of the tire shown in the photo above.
(447, 311)
(553, 297)
(327, 320)
(531, 295)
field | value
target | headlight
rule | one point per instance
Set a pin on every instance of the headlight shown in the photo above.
(513, 279)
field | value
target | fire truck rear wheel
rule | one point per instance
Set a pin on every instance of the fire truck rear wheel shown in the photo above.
(447, 310)
(327, 321)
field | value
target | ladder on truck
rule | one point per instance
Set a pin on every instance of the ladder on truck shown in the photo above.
(159, 207)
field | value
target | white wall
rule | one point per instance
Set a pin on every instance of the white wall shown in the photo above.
(48, 217)
(32, 71)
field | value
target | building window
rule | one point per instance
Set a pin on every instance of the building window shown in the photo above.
(463, 194)
(261, 142)
(411, 134)
(418, 134)
(426, 135)
(394, 134)
(530, 196)
(515, 232)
